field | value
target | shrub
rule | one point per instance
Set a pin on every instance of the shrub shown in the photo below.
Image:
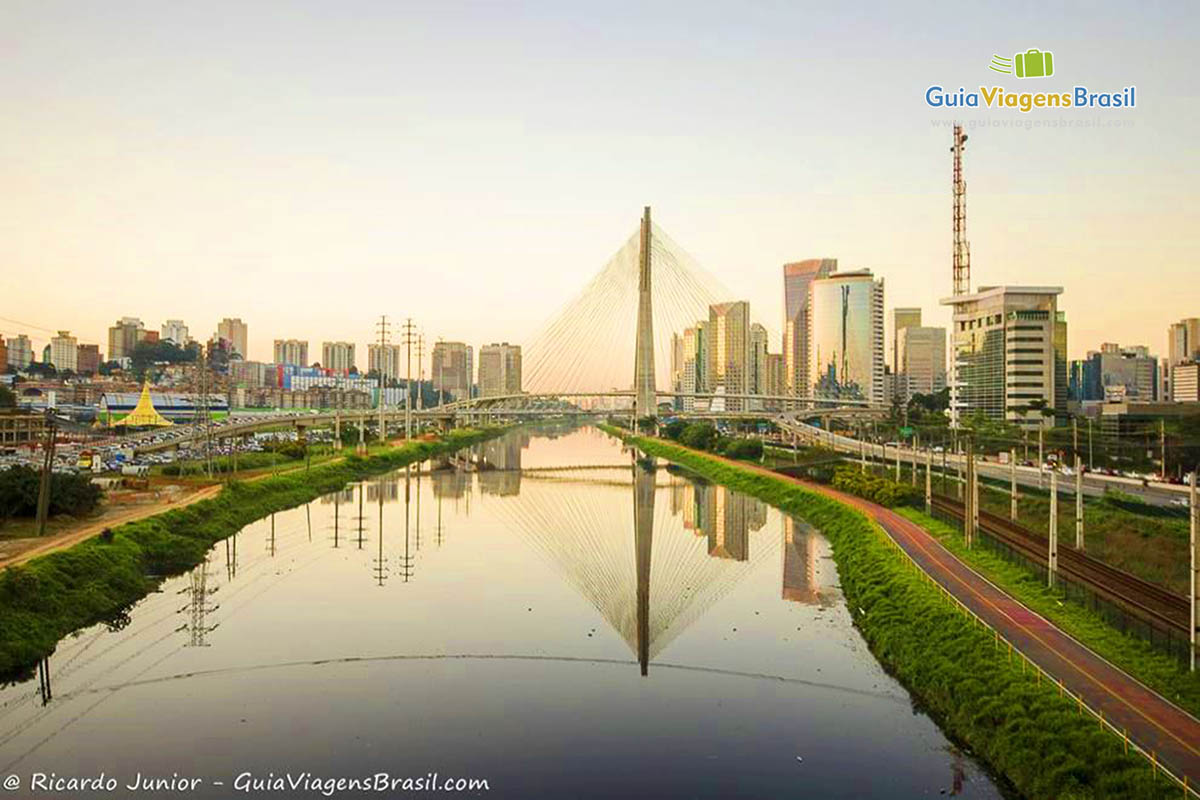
(877, 489)
(69, 493)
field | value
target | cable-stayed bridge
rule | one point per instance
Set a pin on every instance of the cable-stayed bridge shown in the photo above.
(613, 349)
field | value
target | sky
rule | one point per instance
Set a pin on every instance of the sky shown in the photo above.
(309, 166)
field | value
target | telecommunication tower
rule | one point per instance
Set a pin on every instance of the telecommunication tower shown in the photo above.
(962, 248)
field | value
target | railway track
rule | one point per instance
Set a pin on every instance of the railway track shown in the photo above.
(1146, 601)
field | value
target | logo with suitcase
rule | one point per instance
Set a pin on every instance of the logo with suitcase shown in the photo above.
(1033, 63)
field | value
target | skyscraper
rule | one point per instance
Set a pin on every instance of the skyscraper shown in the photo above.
(123, 337)
(236, 333)
(337, 356)
(290, 351)
(174, 330)
(64, 353)
(453, 369)
(1008, 354)
(499, 370)
(87, 359)
(1183, 347)
(797, 278)
(20, 351)
(846, 337)
(728, 369)
(384, 359)
(921, 368)
(901, 318)
(758, 359)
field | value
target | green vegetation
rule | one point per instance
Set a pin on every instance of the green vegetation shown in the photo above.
(1148, 541)
(49, 597)
(1026, 731)
(704, 436)
(877, 489)
(69, 493)
(1158, 670)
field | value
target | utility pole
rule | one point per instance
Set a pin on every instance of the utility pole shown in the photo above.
(1074, 435)
(410, 338)
(913, 477)
(1078, 503)
(1041, 458)
(1012, 479)
(897, 462)
(928, 480)
(1195, 575)
(1091, 463)
(974, 498)
(968, 515)
(1162, 443)
(384, 336)
(1052, 559)
(420, 371)
(43, 506)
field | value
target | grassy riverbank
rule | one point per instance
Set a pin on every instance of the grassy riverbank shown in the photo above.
(52, 596)
(1024, 730)
(1163, 673)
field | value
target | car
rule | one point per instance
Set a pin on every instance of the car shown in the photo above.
(1181, 502)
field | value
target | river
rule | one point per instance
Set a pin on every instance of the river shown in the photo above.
(544, 613)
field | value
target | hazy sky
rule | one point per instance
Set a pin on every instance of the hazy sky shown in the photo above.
(308, 166)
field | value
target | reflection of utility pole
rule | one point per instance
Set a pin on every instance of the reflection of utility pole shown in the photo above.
(43, 506)
(337, 516)
(44, 681)
(406, 560)
(381, 569)
(231, 557)
(198, 608)
(361, 518)
(271, 543)
(418, 509)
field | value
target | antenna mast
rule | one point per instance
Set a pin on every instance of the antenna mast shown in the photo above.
(962, 248)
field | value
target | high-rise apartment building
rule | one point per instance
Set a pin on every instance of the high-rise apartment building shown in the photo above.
(499, 370)
(797, 278)
(338, 356)
(64, 353)
(385, 360)
(921, 364)
(1185, 383)
(175, 331)
(453, 369)
(846, 337)
(87, 359)
(1183, 347)
(124, 336)
(290, 351)
(728, 368)
(20, 351)
(1008, 354)
(236, 333)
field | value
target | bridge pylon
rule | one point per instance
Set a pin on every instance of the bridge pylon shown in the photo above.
(645, 398)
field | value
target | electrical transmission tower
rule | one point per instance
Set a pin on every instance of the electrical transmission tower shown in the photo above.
(420, 370)
(383, 328)
(201, 416)
(410, 338)
(962, 248)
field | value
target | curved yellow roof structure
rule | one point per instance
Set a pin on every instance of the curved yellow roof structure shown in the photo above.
(144, 414)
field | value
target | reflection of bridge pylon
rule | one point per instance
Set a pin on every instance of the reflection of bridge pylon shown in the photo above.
(44, 681)
(199, 608)
(643, 540)
(585, 536)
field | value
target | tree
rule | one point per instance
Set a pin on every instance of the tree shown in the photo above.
(8, 398)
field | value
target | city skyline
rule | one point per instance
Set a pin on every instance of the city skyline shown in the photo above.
(199, 173)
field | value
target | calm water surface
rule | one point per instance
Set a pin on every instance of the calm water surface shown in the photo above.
(543, 613)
